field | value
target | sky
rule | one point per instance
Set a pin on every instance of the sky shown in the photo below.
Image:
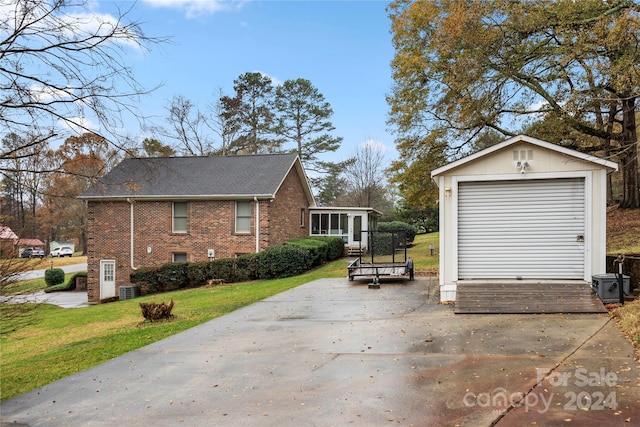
(343, 47)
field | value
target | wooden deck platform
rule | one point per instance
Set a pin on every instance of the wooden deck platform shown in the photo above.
(526, 296)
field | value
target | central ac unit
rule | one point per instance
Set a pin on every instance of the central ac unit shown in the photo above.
(129, 292)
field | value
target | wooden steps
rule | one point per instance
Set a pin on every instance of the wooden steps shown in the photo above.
(356, 251)
(526, 296)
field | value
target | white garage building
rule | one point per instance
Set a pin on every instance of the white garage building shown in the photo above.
(524, 209)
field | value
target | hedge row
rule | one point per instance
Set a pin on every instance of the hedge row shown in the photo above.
(290, 259)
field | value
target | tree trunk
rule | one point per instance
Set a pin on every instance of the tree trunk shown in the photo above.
(629, 155)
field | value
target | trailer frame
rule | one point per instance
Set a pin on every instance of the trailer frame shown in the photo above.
(368, 264)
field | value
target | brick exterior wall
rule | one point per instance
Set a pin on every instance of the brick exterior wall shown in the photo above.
(210, 225)
(284, 211)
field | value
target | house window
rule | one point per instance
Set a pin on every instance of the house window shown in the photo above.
(335, 224)
(243, 217)
(302, 215)
(179, 217)
(179, 257)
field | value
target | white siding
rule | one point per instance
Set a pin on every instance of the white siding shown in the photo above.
(521, 229)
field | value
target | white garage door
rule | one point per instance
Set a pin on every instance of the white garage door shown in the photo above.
(531, 229)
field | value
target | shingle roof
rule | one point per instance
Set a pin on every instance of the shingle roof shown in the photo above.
(30, 242)
(196, 177)
(7, 233)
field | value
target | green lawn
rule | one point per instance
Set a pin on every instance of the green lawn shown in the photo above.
(48, 342)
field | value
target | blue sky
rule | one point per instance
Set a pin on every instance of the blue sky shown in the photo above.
(343, 47)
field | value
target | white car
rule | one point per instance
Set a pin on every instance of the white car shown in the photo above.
(62, 251)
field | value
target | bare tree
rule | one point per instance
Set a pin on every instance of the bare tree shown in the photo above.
(220, 123)
(188, 127)
(61, 67)
(365, 178)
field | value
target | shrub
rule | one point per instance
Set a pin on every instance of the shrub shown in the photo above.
(54, 276)
(399, 226)
(317, 249)
(335, 246)
(71, 283)
(198, 273)
(222, 269)
(246, 267)
(283, 261)
(381, 243)
(173, 276)
(147, 278)
(156, 311)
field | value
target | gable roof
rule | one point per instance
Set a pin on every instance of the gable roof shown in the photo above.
(7, 234)
(215, 177)
(30, 242)
(530, 140)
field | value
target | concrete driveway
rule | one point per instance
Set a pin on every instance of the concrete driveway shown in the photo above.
(335, 353)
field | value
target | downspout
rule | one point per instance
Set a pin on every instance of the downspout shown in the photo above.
(255, 199)
(131, 202)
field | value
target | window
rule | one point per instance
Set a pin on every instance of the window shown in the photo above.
(243, 217)
(179, 217)
(335, 224)
(179, 257)
(302, 215)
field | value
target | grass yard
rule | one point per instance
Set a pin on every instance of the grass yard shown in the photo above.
(53, 342)
(27, 264)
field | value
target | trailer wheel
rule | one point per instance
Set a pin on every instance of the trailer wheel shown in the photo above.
(410, 267)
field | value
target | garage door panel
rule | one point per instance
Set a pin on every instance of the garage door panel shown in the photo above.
(527, 229)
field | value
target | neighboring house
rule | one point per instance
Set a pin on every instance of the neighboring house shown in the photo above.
(8, 242)
(523, 209)
(56, 244)
(30, 243)
(147, 212)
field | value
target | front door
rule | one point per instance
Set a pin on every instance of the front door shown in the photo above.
(107, 279)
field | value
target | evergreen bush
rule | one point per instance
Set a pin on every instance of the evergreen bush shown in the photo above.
(54, 276)
(70, 285)
(283, 261)
(317, 249)
(399, 226)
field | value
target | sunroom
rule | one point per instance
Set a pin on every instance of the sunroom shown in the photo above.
(345, 222)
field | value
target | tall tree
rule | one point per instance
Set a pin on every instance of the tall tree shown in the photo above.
(459, 70)
(304, 118)
(83, 160)
(62, 66)
(250, 116)
(365, 180)
(153, 148)
(188, 127)
(23, 171)
(331, 188)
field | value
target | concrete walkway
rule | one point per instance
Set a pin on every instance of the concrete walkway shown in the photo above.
(66, 299)
(335, 353)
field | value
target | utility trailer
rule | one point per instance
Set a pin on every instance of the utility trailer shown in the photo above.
(385, 257)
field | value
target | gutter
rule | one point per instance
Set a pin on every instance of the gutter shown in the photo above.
(131, 202)
(255, 199)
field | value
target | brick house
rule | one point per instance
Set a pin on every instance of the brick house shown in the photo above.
(147, 212)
